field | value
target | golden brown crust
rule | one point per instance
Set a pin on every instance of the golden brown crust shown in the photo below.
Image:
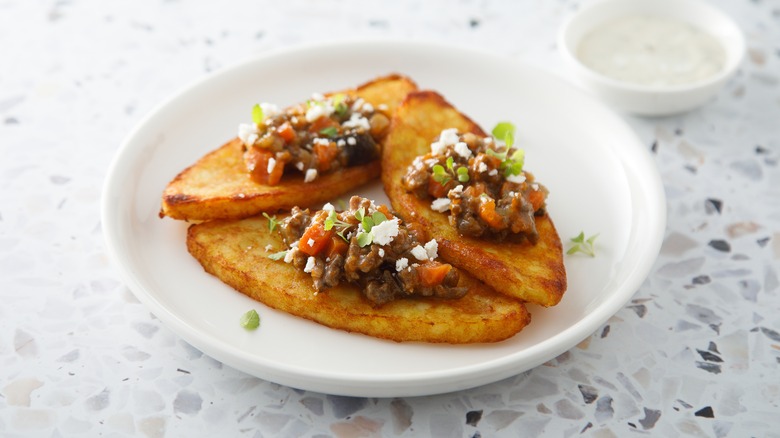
(218, 186)
(234, 252)
(533, 273)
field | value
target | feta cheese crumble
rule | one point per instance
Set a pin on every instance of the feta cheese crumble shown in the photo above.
(311, 175)
(441, 205)
(356, 120)
(449, 136)
(351, 141)
(401, 264)
(248, 133)
(385, 231)
(419, 253)
(310, 262)
(381, 252)
(329, 207)
(482, 167)
(519, 179)
(493, 172)
(462, 149)
(310, 242)
(271, 165)
(432, 249)
(315, 111)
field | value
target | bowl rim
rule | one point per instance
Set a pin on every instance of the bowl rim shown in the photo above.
(731, 65)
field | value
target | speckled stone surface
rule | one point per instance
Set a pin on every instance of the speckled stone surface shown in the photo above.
(696, 352)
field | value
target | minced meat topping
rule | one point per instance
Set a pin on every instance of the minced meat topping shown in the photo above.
(480, 184)
(320, 136)
(368, 246)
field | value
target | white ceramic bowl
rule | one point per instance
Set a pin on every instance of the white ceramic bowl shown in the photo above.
(643, 99)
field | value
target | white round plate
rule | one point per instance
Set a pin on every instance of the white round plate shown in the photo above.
(601, 179)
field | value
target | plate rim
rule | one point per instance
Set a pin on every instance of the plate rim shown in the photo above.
(434, 381)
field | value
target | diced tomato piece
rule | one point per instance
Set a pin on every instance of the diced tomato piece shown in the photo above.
(433, 273)
(315, 239)
(286, 131)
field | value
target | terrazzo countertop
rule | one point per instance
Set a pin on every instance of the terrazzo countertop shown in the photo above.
(696, 352)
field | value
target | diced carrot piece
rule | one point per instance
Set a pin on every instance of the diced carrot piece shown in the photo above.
(385, 211)
(433, 273)
(286, 131)
(314, 239)
(325, 155)
(336, 246)
(256, 161)
(322, 123)
(537, 199)
(487, 211)
(436, 189)
(276, 173)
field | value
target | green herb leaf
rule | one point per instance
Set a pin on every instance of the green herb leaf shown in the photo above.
(440, 175)
(330, 221)
(364, 239)
(368, 223)
(463, 174)
(250, 320)
(583, 245)
(272, 222)
(330, 131)
(257, 114)
(339, 106)
(360, 213)
(500, 155)
(278, 255)
(450, 161)
(505, 131)
(378, 217)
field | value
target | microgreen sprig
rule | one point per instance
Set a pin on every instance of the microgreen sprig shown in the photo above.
(333, 221)
(272, 222)
(329, 132)
(339, 107)
(278, 255)
(583, 245)
(257, 114)
(365, 237)
(510, 164)
(443, 176)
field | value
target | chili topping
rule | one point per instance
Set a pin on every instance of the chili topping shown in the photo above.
(481, 184)
(368, 246)
(323, 135)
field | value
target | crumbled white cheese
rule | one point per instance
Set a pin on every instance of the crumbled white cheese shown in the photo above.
(457, 189)
(248, 133)
(269, 247)
(271, 165)
(351, 141)
(310, 242)
(482, 167)
(356, 120)
(382, 107)
(441, 205)
(449, 136)
(329, 207)
(321, 141)
(341, 143)
(299, 166)
(269, 110)
(358, 104)
(288, 258)
(432, 248)
(310, 262)
(317, 96)
(419, 253)
(318, 110)
(367, 107)
(401, 263)
(437, 147)
(462, 149)
(535, 186)
(381, 252)
(430, 162)
(519, 179)
(488, 140)
(493, 172)
(385, 231)
(295, 244)
(294, 120)
(311, 175)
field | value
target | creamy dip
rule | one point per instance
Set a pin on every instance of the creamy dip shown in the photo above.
(652, 51)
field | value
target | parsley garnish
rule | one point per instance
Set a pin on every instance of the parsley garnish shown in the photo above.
(257, 114)
(329, 132)
(250, 320)
(583, 245)
(272, 222)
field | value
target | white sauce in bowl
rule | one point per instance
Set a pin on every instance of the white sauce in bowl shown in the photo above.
(652, 51)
